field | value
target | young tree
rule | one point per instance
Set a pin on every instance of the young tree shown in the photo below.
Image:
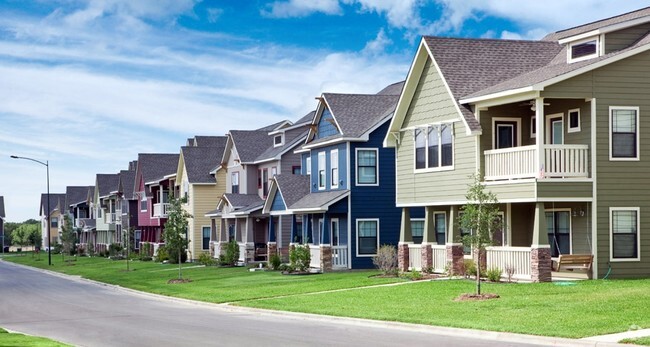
(68, 236)
(480, 216)
(175, 230)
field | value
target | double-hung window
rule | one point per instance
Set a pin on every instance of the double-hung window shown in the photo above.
(235, 182)
(308, 166)
(321, 170)
(54, 222)
(624, 133)
(367, 236)
(434, 147)
(265, 182)
(624, 230)
(441, 227)
(417, 230)
(143, 201)
(334, 168)
(367, 168)
(206, 238)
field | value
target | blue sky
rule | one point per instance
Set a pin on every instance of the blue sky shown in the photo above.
(90, 84)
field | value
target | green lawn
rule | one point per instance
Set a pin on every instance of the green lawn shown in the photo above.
(643, 341)
(11, 339)
(211, 284)
(586, 309)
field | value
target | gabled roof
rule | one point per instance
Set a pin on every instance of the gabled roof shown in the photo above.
(319, 201)
(155, 166)
(275, 126)
(56, 201)
(200, 160)
(107, 183)
(209, 141)
(250, 144)
(2, 207)
(127, 183)
(585, 28)
(392, 89)
(289, 143)
(291, 187)
(240, 204)
(75, 195)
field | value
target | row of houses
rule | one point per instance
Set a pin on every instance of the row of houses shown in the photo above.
(553, 127)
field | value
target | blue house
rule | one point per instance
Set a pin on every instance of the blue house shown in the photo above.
(343, 203)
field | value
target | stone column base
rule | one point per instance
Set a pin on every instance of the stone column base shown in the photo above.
(455, 259)
(271, 248)
(540, 264)
(403, 257)
(427, 257)
(326, 258)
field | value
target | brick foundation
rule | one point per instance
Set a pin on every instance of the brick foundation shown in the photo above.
(326, 258)
(541, 264)
(456, 259)
(403, 257)
(427, 257)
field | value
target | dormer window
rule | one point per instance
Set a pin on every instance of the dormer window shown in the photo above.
(278, 140)
(584, 49)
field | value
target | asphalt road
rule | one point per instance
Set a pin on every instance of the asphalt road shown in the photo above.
(88, 314)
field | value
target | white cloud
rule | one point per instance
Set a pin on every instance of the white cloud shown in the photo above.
(214, 14)
(378, 44)
(399, 14)
(301, 8)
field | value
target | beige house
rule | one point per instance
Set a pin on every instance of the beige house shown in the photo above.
(554, 128)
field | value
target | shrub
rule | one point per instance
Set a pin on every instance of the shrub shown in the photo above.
(285, 268)
(386, 260)
(206, 259)
(510, 271)
(57, 248)
(162, 254)
(299, 257)
(470, 267)
(114, 249)
(173, 255)
(231, 256)
(274, 262)
(91, 249)
(413, 275)
(494, 274)
(146, 258)
(145, 250)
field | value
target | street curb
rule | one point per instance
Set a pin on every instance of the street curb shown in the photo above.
(419, 328)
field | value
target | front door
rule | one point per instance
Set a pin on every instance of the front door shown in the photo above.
(505, 134)
(335, 231)
(555, 129)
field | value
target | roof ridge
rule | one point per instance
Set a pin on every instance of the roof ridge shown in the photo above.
(482, 39)
(602, 20)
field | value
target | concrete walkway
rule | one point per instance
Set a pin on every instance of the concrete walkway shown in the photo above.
(619, 336)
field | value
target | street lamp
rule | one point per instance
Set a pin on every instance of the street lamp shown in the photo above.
(47, 166)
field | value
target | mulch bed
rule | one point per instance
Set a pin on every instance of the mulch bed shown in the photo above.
(176, 280)
(474, 297)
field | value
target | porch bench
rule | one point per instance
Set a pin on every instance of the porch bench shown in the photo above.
(572, 262)
(260, 253)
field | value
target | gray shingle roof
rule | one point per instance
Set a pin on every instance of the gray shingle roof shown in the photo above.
(357, 113)
(289, 143)
(306, 118)
(56, 200)
(210, 141)
(319, 200)
(75, 195)
(557, 68)
(292, 187)
(127, 183)
(155, 166)
(272, 127)
(393, 89)
(244, 202)
(251, 144)
(644, 12)
(2, 207)
(107, 183)
(199, 161)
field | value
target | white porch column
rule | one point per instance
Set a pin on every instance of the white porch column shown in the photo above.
(539, 140)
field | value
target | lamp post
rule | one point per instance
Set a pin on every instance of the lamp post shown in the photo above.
(47, 166)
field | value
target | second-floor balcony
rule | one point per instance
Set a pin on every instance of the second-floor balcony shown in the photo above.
(109, 217)
(557, 161)
(160, 210)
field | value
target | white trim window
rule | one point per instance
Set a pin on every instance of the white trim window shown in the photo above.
(367, 237)
(367, 166)
(308, 165)
(322, 163)
(434, 147)
(335, 232)
(206, 232)
(573, 120)
(440, 226)
(533, 127)
(623, 133)
(584, 49)
(234, 182)
(558, 228)
(143, 202)
(334, 168)
(624, 229)
(417, 230)
(278, 140)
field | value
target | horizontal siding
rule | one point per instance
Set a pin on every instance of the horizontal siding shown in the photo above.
(620, 184)
(618, 40)
(432, 103)
(564, 189)
(203, 199)
(512, 191)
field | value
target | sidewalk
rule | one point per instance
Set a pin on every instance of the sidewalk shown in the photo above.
(619, 336)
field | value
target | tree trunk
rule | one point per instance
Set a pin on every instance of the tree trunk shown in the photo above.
(478, 273)
(180, 276)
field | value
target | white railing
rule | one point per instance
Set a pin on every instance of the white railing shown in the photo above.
(340, 257)
(160, 210)
(109, 217)
(515, 258)
(439, 257)
(415, 257)
(243, 252)
(520, 162)
(314, 252)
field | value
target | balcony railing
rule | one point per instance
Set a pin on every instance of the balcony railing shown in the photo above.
(109, 217)
(160, 210)
(560, 161)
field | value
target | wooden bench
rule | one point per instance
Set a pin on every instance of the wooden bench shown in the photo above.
(260, 253)
(572, 262)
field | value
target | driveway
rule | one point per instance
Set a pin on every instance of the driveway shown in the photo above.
(88, 314)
